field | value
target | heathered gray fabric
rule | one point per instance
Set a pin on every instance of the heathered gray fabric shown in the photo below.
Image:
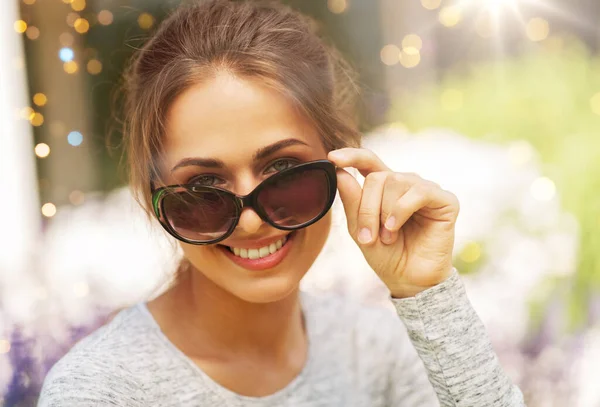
(358, 356)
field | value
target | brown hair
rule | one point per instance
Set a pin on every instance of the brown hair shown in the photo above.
(260, 40)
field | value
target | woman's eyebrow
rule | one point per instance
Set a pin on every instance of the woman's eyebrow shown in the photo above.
(199, 162)
(260, 154)
(266, 151)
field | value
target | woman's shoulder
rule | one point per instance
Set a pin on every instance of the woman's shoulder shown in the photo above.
(101, 367)
(127, 329)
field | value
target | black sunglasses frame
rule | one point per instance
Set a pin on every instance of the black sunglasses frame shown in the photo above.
(245, 201)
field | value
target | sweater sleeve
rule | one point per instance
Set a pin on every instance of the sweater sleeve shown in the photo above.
(454, 347)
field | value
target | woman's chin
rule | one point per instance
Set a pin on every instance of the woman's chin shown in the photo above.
(264, 291)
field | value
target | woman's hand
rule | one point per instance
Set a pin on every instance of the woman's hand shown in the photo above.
(403, 224)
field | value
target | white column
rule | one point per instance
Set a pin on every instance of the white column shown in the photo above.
(20, 217)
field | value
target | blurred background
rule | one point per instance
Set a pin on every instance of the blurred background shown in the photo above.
(495, 100)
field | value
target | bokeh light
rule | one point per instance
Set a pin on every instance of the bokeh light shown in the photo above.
(20, 26)
(94, 66)
(37, 119)
(412, 42)
(450, 16)
(520, 153)
(78, 5)
(76, 197)
(543, 189)
(42, 150)
(410, 59)
(40, 99)
(145, 21)
(32, 32)
(337, 6)
(471, 252)
(75, 138)
(81, 25)
(537, 29)
(390, 54)
(70, 67)
(49, 209)
(66, 54)
(431, 4)
(105, 17)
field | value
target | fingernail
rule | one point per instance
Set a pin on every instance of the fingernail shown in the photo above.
(390, 223)
(386, 235)
(364, 236)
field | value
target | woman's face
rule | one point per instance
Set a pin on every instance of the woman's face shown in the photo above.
(241, 133)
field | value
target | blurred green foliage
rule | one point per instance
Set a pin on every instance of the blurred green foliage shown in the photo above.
(545, 97)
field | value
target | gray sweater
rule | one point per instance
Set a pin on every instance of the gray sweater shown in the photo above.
(358, 356)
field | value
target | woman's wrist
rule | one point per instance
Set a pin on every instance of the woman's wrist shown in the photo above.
(402, 292)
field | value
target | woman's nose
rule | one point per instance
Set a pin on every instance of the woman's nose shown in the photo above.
(249, 221)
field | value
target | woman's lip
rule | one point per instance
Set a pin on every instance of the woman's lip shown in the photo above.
(264, 263)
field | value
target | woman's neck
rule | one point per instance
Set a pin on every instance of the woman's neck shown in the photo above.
(204, 320)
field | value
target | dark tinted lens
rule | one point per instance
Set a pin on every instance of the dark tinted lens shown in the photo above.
(200, 216)
(296, 198)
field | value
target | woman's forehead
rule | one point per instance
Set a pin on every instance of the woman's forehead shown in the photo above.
(231, 118)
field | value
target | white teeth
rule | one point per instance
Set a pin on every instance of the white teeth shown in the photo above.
(259, 253)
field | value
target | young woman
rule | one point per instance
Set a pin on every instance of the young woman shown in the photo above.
(239, 127)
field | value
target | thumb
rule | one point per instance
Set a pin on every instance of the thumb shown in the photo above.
(350, 193)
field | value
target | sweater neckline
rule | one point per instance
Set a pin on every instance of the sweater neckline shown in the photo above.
(226, 394)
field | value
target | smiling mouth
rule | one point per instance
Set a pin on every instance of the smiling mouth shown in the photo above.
(262, 258)
(259, 253)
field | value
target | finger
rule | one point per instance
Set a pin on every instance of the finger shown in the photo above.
(435, 203)
(362, 159)
(350, 193)
(369, 213)
(396, 185)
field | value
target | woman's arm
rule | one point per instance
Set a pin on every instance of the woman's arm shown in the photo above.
(405, 227)
(453, 345)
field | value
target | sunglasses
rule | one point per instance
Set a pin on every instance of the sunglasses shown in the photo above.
(291, 199)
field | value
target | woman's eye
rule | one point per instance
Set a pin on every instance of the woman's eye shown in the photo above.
(281, 165)
(205, 180)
